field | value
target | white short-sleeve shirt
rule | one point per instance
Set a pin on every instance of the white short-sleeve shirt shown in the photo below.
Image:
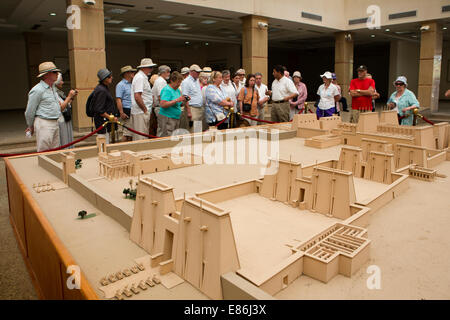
(141, 84)
(261, 90)
(327, 96)
(158, 85)
(283, 88)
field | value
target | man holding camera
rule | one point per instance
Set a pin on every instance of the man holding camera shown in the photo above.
(170, 106)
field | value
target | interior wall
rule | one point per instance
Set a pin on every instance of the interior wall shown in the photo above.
(311, 63)
(376, 57)
(404, 61)
(14, 82)
(445, 71)
(119, 52)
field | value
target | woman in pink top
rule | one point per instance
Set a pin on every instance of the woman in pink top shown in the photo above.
(298, 103)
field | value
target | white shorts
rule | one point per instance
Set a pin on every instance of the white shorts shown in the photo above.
(47, 134)
(140, 122)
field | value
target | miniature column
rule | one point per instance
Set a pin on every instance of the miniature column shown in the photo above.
(343, 61)
(86, 56)
(430, 65)
(255, 45)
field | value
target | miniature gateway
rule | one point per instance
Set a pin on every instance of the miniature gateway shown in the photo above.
(207, 229)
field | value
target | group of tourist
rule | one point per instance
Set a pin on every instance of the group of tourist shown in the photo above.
(196, 99)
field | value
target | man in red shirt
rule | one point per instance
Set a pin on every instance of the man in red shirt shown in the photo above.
(361, 90)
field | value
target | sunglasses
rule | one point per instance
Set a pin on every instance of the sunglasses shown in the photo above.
(399, 84)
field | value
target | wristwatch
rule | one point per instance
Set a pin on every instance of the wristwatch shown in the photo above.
(358, 90)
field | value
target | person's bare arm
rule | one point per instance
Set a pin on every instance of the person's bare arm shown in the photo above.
(140, 101)
(292, 96)
(120, 108)
(70, 97)
(337, 98)
(167, 104)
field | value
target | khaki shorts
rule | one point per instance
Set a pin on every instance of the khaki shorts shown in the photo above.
(166, 125)
(198, 114)
(280, 112)
(140, 122)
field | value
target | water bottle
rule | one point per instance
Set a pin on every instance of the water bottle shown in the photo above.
(28, 134)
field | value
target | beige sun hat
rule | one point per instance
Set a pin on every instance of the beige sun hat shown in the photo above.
(147, 63)
(126, 69)
(46, 67)
(185, 70)
(207, 70)
(195, 68)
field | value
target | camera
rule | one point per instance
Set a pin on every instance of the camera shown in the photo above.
(186, 97)
(262, 25)
(89, 2)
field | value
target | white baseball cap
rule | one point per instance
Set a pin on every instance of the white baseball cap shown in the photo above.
(297, 74)
(327, 75)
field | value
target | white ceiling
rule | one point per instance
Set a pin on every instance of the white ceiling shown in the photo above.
(27, 15)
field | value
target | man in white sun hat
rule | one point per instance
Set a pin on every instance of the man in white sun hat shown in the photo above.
(191, 87)
(43, 108)
(185, 72)
(141, 98)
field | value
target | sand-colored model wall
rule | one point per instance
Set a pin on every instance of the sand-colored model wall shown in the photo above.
(368, 122)
(206, 248)
(380, 167)
(389, 117)
(154, 201)
(350, 160)
(369, 145)
(333, 191)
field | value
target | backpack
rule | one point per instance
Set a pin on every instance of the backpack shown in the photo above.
(90, 105)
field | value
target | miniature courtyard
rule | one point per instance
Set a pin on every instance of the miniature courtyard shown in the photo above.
(306, 224)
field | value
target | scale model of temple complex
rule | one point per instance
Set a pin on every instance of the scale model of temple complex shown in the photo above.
(268, 231)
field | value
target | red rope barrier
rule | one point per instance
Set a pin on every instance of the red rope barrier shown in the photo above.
(255, 119)
(428, 121)
(139, 133)
(4, 155)
(221, 122)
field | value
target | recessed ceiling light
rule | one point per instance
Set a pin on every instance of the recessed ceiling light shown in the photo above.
(187, 42)
(387, 30)
(182, 28)
(114, 21)
(52, 14)
(118, 11)
(208, 21)
(165, 16)
(444, 28)
(206, 44)
(178, 25)
(372, 36)
(130, 29)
